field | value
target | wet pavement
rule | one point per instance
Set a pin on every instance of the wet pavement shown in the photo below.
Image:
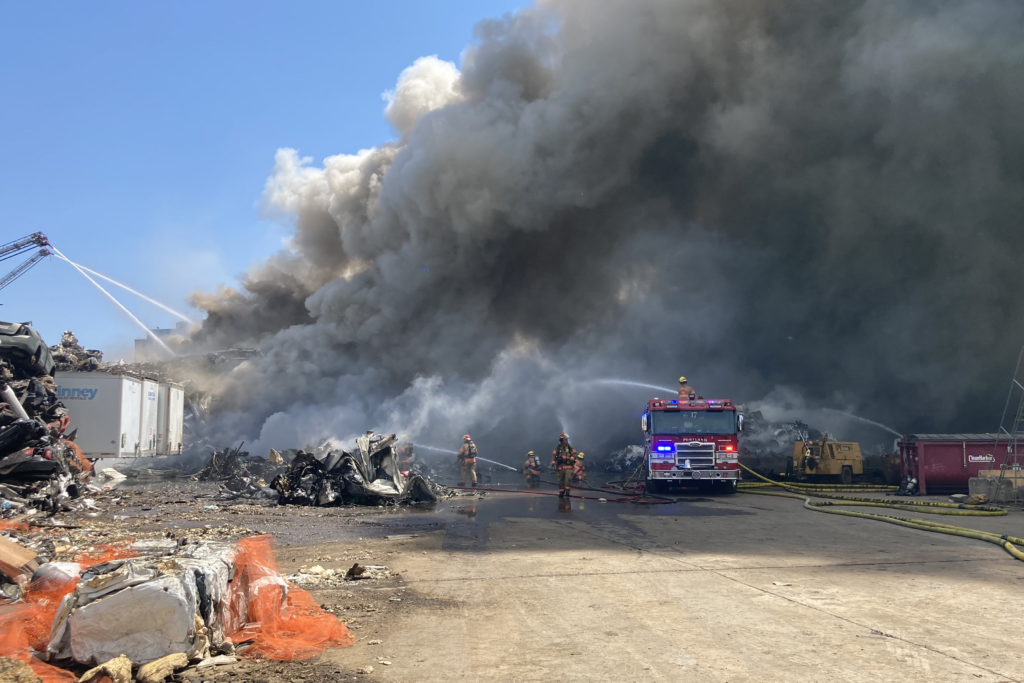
(170, 507)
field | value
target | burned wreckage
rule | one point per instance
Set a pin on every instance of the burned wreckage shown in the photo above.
(369, 476)
(40, 467)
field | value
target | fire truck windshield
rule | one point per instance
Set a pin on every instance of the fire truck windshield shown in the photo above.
(677, 423)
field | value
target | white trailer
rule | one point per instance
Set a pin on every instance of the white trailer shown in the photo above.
(148, 420)
(106, 411)
(170, 419)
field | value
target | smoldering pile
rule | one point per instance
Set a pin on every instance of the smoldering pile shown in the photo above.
(240, 475)
(369, 476)
(766, 446)
(40, 468)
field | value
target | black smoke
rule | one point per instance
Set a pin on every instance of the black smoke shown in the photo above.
(822, 197)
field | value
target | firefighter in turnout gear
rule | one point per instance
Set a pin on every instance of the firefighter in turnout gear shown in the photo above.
(563, 459)
(685, 389)
(579, 473)
(467, 457)
(532, 470)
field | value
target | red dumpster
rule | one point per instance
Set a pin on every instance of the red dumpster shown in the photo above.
(944, 462)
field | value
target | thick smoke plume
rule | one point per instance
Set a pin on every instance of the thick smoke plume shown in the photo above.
(820, 196)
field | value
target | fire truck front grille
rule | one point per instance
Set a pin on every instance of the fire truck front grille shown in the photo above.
(701, 456)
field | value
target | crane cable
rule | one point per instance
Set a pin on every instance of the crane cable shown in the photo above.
(1006, 542)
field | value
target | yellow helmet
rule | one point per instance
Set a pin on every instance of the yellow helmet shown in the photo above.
(580, 454)
(531, 453)
(405, 437)
(682, 380)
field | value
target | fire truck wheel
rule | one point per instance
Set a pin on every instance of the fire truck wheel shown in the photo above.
(846, 476)
(726, 487)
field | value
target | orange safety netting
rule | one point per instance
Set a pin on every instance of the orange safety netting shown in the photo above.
(106, 553)
(26, 626)
(282, 621)
(77, 460)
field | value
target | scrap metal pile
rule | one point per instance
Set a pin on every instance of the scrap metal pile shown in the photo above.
(766, 446)
(69, 356)
(370, 476)
(240, 475)
(625, 461)
(39, 467)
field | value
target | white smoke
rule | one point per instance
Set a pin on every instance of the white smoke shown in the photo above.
(429, 84)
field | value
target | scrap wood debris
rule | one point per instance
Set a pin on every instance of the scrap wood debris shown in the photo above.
(162, 608)
(40, 468)
(369, 476)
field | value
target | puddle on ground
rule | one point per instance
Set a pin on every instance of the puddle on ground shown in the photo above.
(466, 519)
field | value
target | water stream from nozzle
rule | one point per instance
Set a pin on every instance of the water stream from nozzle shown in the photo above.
(123, 286)
(865, 420)
(446, 450)
(110, 296)
(625, 382)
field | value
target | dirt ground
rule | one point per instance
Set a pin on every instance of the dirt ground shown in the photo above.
(511, 587)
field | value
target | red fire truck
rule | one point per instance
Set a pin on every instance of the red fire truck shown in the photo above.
(691, 441)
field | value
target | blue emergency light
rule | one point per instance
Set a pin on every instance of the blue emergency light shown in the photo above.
(664, 448)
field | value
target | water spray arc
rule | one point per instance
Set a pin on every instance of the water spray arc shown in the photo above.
(865, 420)
(110, 296)
(170, 310)
(625, 382)
(446, 450)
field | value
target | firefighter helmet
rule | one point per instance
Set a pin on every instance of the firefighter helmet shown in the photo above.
(580, 454)
(531, 454)
(466, 437)
(563, 437)
(682, 380)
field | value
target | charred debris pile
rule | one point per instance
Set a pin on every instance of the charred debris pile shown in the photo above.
(767, 445)
(324, 475)
(40, 467)
(369, 476)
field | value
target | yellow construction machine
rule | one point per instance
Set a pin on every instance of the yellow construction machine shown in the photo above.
(826, 460)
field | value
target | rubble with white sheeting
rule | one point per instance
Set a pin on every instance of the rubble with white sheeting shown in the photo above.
(146, 608)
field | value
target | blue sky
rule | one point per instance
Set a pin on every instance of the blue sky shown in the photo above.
(138, 135)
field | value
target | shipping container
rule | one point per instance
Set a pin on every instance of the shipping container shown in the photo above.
(105, 409)
(170, 419)
(945, 462)
(150, 410)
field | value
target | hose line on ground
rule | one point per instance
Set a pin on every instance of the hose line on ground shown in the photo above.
(1008, 543)
(928, 507)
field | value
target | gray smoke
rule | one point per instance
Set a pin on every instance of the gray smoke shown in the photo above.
(824, 197)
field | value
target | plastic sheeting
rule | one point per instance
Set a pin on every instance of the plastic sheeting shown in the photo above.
(143, 622)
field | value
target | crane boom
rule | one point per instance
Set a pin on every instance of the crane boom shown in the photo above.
(12, 249)
(23, 268)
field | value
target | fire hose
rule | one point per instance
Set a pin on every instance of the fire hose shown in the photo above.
(1006, 542)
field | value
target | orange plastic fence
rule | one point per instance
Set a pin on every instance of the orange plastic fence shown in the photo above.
(27, 625)
(106, 553)
(78, 461)
(11, 525)
(282, 621)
